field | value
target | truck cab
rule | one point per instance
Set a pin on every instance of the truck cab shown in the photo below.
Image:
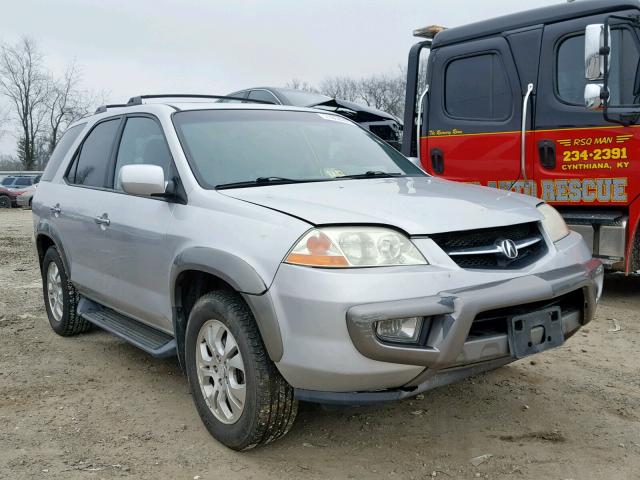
(544, 102)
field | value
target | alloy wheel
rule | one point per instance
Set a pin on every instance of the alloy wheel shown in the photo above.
(221, 372)
(54, 291)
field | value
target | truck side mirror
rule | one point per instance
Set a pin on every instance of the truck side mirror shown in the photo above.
(597, 53)
(593, 96)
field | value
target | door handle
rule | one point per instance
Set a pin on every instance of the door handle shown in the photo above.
(547, 154)
(103, 221)
(437, 160)
(56, 210)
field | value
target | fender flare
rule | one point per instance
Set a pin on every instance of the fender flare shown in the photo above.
(45, 229)
(243, 278)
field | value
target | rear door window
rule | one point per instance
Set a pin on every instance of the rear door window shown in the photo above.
(60, 152)
(91, 164)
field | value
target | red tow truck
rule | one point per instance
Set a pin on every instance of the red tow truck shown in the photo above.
(544, 102)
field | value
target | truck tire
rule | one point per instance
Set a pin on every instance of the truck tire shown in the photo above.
(241, 397)
(5, 201)
(60, 297)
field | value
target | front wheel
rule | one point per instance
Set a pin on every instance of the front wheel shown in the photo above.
(241, 397)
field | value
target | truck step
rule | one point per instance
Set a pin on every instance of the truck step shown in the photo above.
(149, 339)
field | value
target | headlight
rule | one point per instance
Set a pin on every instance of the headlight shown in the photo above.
(344, 247)
(553, 223)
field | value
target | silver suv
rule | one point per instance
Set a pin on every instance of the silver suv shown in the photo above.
(287, 254)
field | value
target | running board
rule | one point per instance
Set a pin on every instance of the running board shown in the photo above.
(149, 339)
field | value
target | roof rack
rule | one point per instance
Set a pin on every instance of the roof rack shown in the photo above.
(139, 99)
(104, 108)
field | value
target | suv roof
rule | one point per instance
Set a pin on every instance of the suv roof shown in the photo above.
(529, 18)
(179, 103)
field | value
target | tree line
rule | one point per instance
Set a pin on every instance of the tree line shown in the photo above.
(40, 104)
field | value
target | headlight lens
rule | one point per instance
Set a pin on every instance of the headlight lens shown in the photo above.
(553, 222)
(344, 247)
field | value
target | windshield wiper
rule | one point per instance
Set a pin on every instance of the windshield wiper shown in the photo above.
(263, 181)
(373, 174)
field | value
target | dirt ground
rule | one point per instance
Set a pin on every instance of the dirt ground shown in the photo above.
(94, 407)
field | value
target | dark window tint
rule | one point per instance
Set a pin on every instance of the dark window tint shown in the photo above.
(23, 182)
(477, 88)
(8, 181)
(624, 64)
(242, 94)
(142, 143)
(90, 166)
(63, 146)
(263, 96)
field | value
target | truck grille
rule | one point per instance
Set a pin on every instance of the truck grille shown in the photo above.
(492, 248)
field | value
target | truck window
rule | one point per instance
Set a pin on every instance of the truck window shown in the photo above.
(570, 81)
(476, 88)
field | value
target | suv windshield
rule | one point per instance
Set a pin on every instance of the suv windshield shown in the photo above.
(230, 146)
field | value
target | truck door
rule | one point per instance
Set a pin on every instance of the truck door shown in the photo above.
(474, 113)
(583, 160)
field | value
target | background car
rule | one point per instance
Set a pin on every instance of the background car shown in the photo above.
(8, 197)
(25, 197)
(382, 124)
(19, 182)
(12, 186)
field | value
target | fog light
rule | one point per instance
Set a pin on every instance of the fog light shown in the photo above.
(405, 330)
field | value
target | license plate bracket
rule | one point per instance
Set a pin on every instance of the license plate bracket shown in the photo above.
(535, 332)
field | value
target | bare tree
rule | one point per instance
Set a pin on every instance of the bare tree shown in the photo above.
(303, 85)
(24, 82)
(65, 104)
(345, 88)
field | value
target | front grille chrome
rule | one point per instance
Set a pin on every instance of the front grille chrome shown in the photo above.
(510, 247)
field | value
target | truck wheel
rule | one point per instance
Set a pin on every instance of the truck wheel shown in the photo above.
(5, 201)
(241, 397)
(60, 297)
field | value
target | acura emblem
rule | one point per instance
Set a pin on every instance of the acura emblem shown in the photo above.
(508, 248)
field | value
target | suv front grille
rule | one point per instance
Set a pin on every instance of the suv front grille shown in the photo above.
(484, 248)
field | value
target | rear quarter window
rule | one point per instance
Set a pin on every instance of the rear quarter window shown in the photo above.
(60, 152)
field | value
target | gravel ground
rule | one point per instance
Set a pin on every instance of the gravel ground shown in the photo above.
(93, 407)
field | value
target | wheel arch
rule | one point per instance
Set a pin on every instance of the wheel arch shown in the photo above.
(45, 238)
(200, 270)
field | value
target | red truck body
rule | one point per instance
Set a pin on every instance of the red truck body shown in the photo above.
(503, 106)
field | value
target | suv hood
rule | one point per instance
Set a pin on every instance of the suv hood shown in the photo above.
(417, 205)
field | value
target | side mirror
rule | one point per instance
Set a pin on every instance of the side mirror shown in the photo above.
(595, 52)
(142, 179)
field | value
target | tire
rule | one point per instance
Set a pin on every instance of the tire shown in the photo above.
(61, 311)
(5, 201)
(269, 408)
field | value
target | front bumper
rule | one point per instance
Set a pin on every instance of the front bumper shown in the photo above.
(453, 312)
(326, 318)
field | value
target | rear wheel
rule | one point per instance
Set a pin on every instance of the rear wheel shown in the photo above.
(5, 201)
(60, 297)
(241, 397)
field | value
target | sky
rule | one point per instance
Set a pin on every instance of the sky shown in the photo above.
(133, 47)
